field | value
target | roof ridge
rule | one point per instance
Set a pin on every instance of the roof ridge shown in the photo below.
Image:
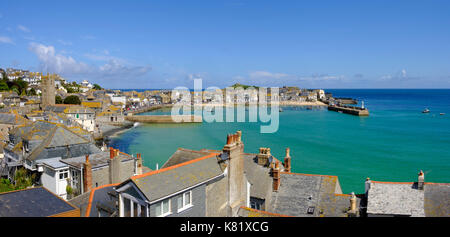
(322, 175)
(174, 166)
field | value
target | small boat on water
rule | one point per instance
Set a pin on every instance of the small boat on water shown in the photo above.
(281, 110)
(442, 114)
(426, 111)
(135, 124)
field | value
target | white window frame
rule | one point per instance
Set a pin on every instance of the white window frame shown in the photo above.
(184, 205)
(162, 214)
(62, 172)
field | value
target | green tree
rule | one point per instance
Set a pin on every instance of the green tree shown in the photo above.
(32, 92)
(72, 99)
(15, 88)
(70, 90)
(97, 87)
(22, 179)
(58, 99)
(3, 86)
(6, 185)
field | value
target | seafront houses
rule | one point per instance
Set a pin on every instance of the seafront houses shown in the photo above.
(222, 183)
(407, 199)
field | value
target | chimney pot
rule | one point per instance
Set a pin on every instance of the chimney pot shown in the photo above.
(111, 153)
(228, 139)
(287, 161)
(421, 180)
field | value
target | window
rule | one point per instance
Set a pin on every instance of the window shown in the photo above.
(184, 201)
(163, 208)
(255, 205)
(126, 207)
(63, 174)
(75, 178)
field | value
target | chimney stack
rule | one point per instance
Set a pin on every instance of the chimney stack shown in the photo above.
(421, 180)
(276, 177)
(87, 175)
(114, 166)
(287, 161)
(264, 156)
(139, 164)
(237, 185)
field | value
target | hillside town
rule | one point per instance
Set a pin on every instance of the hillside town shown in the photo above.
(54, 161)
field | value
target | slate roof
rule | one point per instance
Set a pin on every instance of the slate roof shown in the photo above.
(183, 155)
(56, 108)
(395, 198)
(54, 163)
(33, 202)
(258, 176)
(161, 183)
(103, 197)
(44, 136)
(437, 200)
(12, 118)
(60, 136)
(299, 194)
(97, 160)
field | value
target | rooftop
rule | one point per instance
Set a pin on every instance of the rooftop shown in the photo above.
(33, 202)
(178, 177)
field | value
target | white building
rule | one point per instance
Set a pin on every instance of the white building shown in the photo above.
(84, 116)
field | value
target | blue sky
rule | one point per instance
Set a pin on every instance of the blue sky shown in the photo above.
(164, 44)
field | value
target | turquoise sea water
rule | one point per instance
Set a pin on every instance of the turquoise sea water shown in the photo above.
(392, 144)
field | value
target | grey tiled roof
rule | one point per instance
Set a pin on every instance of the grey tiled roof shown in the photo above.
(386, 198)
(54, 163)
(437, 200)
(183, 155)
(299, 192)
(103, 197)
(33, 202)
(258, 176)
(395, 199)
(96, 160)
(156, 185)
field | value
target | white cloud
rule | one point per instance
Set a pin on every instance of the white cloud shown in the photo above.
(23, 28)
(65, 65)
(56, 63)
(401, 75)
(6, 40)
(265, 74)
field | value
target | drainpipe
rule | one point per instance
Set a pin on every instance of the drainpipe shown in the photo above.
(81, 185)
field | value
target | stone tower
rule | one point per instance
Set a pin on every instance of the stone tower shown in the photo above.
(48, 90)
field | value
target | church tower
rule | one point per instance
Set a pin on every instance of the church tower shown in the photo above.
(48, 90)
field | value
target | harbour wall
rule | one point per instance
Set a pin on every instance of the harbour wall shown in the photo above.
(164, 118)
